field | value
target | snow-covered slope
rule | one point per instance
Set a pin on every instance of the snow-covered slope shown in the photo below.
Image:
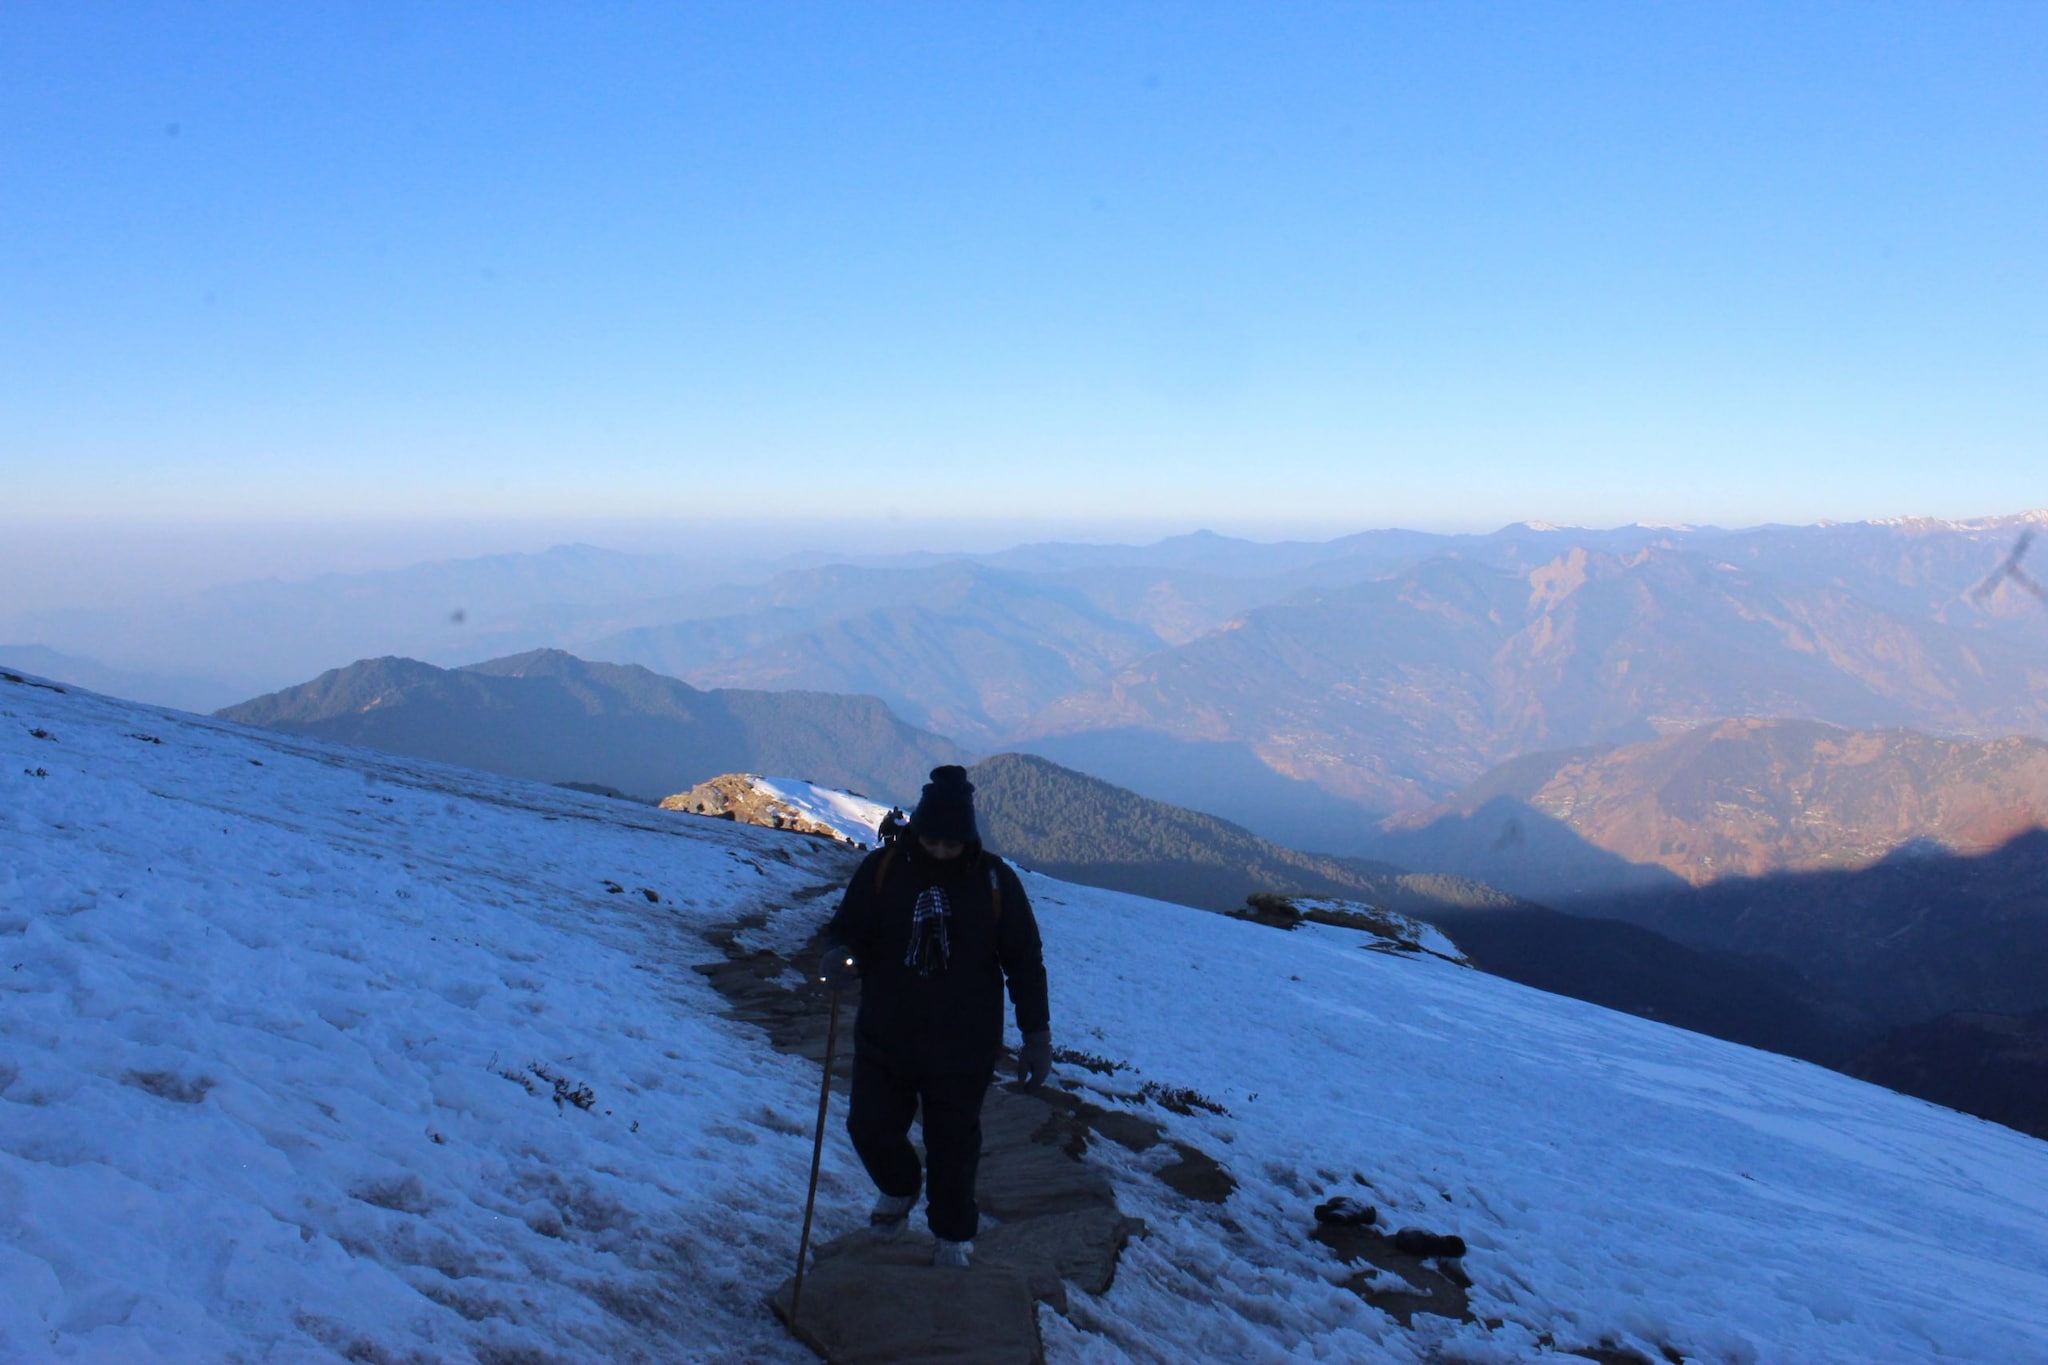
(309, 1053)
(284, 1027)
(850, 817)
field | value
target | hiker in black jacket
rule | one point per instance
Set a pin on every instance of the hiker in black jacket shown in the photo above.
(932, 927)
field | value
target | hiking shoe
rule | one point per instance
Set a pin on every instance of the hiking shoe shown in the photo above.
(955, 1254)
(887, 1217)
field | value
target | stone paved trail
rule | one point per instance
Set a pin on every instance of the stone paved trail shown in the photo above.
(1050, 1219)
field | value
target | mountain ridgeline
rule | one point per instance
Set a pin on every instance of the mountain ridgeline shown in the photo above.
(962, 649)
(552, 717)
(1392, 694)
(1079, 828)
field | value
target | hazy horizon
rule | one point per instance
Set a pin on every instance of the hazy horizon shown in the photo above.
(57, 564)
(60, 565)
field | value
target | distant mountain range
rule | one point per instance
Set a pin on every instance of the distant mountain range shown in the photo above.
(1733, 798)
(268, 632)
(1903, 878)
(1394, 693)
(962, 649)
(1256, 680)
(555, 718)
(1831, 965)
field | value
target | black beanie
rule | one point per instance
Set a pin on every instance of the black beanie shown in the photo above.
(946, 810)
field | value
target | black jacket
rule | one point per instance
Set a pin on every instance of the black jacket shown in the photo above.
(950, 1020)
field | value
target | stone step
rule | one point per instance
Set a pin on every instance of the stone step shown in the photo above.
(868, 1303)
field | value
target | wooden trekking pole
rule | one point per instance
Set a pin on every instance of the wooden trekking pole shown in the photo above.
(803, 1248)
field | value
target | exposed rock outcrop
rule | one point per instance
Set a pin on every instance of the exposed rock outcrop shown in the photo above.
(736, 796)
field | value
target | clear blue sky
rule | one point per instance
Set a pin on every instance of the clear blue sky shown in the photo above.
(1349, 263)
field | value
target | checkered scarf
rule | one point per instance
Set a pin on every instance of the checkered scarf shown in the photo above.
(929, 950)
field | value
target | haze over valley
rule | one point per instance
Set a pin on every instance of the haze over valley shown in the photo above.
(1307, 689)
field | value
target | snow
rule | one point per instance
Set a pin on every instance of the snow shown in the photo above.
(283, 1026)
(2037, 516)
(1614, 1177)
(1394, 932)
(273, 1038)
(849, 816)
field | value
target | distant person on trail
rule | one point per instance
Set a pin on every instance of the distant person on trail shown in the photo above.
(931, 927)
(892, 827)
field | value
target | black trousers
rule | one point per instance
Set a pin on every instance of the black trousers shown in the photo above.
(885, 1099)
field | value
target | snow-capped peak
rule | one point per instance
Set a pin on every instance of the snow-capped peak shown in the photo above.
(2009, 522)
